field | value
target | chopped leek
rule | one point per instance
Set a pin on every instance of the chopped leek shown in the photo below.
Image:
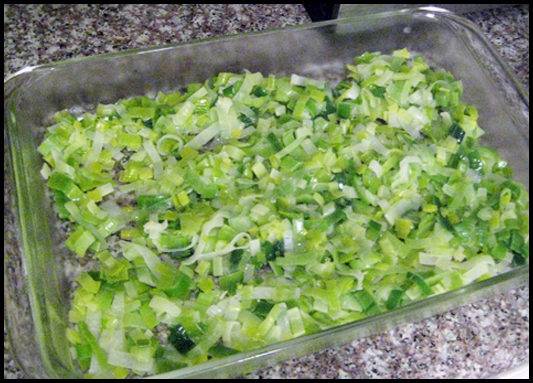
(180, 340)
(247, 210)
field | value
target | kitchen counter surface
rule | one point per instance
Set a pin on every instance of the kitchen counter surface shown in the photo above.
(475, 341)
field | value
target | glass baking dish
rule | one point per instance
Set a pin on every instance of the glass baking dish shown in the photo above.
(35, 282)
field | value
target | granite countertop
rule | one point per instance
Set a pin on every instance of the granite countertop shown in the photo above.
(475, 341)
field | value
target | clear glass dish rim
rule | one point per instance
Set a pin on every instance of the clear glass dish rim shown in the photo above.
(407, 11)
(407, 314)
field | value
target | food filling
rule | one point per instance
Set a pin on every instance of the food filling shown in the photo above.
(253, 209)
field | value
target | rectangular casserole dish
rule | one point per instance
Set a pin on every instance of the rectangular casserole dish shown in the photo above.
(36, 283)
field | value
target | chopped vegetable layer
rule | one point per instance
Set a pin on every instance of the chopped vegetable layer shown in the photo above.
(249, 210)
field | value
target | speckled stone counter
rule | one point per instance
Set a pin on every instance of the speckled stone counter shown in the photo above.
(475, 341)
